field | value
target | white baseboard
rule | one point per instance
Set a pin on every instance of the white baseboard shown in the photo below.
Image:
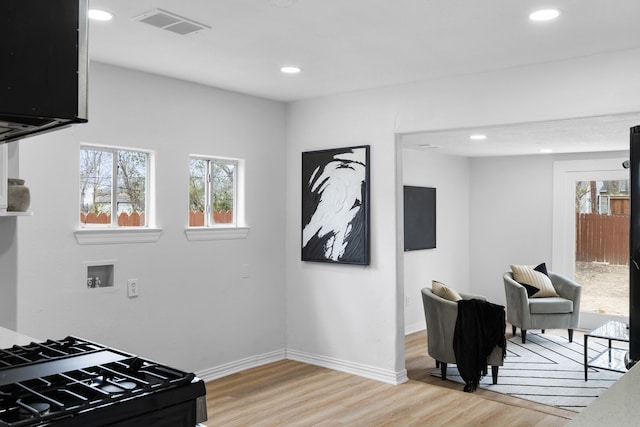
(358, 369)
(241, 365)
(366, 371)
(410, 329)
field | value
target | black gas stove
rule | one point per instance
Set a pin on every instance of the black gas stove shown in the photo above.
(75, 382)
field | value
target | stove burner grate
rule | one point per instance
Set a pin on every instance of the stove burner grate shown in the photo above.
(45, 351)
(46, 391)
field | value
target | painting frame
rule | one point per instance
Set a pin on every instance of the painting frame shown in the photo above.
(336, 205)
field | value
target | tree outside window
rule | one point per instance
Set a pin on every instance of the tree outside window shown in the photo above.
(212, 192)
(101, 195)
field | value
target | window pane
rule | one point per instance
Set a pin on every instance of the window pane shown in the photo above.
(95, 186)
(602, 246)
(197, 182)
(131, 197)
(222, 192)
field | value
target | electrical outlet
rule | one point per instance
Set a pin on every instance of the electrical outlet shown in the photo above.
(132, 288)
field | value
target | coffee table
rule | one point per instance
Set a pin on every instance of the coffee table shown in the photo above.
(611, 358)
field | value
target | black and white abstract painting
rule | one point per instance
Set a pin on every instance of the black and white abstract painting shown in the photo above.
(335, 205)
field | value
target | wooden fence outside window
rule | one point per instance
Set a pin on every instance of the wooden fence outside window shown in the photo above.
(602, 238)
(135, 219)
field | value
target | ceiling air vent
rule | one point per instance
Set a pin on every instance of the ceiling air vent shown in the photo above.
(171, 22)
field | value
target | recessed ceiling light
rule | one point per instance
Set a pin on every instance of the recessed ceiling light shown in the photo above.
(290, 70)
(478, 137)
(100, 15)
(546, 150)
(544, 15)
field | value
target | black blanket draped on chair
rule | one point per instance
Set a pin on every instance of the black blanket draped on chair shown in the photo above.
(480, 327)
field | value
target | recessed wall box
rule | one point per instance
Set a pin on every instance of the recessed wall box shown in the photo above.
(100, 276)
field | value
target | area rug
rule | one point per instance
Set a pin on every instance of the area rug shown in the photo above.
(547, 369)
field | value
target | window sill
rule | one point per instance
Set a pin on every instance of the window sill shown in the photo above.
(98, 236)
(216, 233)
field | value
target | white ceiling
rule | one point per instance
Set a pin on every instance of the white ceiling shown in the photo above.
(348, 45)
(591, 134)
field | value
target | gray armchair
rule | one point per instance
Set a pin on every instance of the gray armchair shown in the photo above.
(526, 313)
(441, 316)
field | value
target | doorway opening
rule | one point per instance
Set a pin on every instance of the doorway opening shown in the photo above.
(602, 245)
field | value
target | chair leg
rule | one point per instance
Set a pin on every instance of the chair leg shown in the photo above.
(513, 330)
(443, 370)
(437, 363)
(494, 374)
(523, 332)
(570, 335)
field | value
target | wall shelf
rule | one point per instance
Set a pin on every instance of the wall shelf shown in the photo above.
(16, 213)
(4, 173)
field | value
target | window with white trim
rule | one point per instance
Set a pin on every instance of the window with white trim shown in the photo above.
(114, 187)
(213, 192)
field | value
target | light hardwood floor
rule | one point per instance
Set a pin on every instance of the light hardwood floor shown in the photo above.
(288, 393)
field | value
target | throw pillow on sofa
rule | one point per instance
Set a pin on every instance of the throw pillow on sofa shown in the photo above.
(534, 279)
(443, 291)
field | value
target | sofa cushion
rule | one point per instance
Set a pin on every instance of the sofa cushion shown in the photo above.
(552, 305)
(444, 291)
(535, 280)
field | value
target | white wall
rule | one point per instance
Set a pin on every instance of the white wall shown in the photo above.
(347, 317)
(194, 310)
(491, 212)
(512, 215)
(344, 316)
(449, 261)
(9, 250)
(357, 314)
(8, 277)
